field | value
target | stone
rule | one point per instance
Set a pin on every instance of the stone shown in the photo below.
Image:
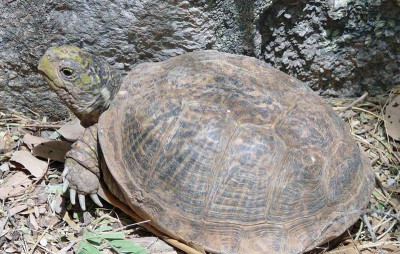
(300, 38)
(349, 46)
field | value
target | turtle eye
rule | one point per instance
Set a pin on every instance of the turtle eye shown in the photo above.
(67, 72)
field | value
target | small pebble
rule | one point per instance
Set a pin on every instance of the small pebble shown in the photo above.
(390, 181)
(43, 242)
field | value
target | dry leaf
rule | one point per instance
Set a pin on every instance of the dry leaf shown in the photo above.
(14, 185)
(71, 223)
(32, 141)
(71, 131)
(2, 143)
(35, 166)
(16, 210)
(58, 205)
(53, 150)
(392, 118)
(33, 221)
(153, 245)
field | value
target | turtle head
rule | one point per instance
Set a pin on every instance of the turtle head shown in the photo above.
(86, 84)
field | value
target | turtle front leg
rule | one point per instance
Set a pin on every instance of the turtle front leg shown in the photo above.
(81, 171)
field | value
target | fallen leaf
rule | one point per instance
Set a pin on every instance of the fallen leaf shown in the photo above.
(4, 167)
(153, 244)
(16, 210)
(35, 166)
(53, 150)
(71, 131)
(67, 248)
(71, 223)
(58, 205)
(3, 222)
(14, 185)
(2, 143)
(392, 118)
(32, 141)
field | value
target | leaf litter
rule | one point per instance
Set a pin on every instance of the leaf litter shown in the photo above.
(35, 217)
(392, 115)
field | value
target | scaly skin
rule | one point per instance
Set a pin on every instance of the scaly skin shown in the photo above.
(87, 86)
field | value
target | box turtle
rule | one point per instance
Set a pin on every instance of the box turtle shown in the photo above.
(219, 151)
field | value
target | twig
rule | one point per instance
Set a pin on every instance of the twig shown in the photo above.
(39, 239)
(370, 229)
(388, 230)
(365, 246)
(32, 125)
(353, 103)
(359, 231)
(389, 214)
(131, 225)
(382, 197)
(368, 112)
(390, 150)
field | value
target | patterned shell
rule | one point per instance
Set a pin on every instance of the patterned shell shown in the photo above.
(226, 152)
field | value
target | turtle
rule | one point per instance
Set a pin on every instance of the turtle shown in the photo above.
(218, 151)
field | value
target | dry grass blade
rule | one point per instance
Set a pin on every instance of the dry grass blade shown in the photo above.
(366, 122)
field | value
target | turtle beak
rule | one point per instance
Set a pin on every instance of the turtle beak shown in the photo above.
(47, 68)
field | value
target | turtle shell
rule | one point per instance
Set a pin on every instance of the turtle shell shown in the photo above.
(228, 153)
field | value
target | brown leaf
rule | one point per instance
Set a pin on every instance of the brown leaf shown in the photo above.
(35, 166)
(32, 141)
(392, 118)
(153, 245)
(71, 131)
(2, 143)
(71, 223)
(14, 185)
(33, 221)
(53, 150)
(16, 210)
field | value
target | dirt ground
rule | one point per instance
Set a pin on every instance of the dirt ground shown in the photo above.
(36, 217)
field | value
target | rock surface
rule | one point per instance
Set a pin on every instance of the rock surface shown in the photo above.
(341, 47)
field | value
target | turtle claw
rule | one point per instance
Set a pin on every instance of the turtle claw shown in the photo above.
(96, 199)
(72, 195)
(82, 203)
(65, 185)
(81, 182)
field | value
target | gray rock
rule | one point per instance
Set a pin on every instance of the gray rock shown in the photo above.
(338, 47)
(123, 32)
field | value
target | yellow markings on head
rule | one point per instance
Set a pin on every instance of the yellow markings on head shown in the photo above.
(73, 53)
(85, 78)
(53, 60)
(46, 66)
